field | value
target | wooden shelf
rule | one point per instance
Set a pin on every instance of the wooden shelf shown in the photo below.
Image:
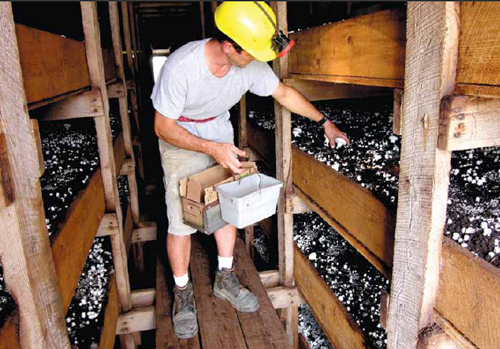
(108, 332)
(9, 338)
(53, 65)
(73, 241)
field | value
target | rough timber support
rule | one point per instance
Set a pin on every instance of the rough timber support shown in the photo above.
(24, 248)
(106, 155)
(424, 177)
(284, 174)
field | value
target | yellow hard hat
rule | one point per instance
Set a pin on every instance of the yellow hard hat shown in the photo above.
(247, 24)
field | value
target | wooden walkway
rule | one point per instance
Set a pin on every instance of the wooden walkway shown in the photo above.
(220, 326)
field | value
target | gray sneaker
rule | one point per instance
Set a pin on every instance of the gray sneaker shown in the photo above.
(228, 287)
(184, 312)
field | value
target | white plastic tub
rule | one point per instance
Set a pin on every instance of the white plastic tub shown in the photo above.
(249, 200)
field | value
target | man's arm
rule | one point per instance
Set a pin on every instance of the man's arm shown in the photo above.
(224, 153)
(294, 101)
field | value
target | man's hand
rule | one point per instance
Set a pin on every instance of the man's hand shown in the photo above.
(226, 155)
(332, 132)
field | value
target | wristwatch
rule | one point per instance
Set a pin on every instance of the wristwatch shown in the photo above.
(323, 121)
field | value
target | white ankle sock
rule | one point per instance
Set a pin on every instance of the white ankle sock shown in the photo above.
(225, 262)
(181, 281)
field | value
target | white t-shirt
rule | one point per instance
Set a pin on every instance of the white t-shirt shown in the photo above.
(186, 87)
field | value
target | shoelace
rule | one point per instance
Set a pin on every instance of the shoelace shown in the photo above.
(184, 295)
(233, 281)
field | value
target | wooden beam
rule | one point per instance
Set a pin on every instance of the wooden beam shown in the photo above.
(117, 90)
(43, 78)
(396, 113)
(28, 266)
(283, 139)
(202, 15)
(365, 50)
(468, 123)
(243, 130)
(360, 218)
(70, 250)
(479, 47)
(9, 338)
(128, 229)
(269, 278)
(147, 232)
(128, 167)
(295, 205)
(470, 285)
(284, 297)
(119, 153)
(341, 330)
(38, 145)
(82, 105)
(262, 145)
(108, 225)
(106, 155)
(143, 298)
(112, 311)
(322, 90)
(424, 176)
(137, 320)
(249, 241)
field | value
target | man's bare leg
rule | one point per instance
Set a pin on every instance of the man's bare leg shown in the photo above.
(225, 238)
(179, 253)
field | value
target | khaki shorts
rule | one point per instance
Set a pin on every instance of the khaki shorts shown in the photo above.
(177, 164)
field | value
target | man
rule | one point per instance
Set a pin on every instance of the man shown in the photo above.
(198, 84)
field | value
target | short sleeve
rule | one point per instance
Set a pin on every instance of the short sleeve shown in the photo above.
(170, 92)
(264, 80)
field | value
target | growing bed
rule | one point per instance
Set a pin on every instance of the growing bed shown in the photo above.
(372, 162)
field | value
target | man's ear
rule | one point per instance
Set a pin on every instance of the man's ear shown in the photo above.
(227, 47)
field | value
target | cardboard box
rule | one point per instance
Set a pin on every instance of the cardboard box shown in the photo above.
(200, 201)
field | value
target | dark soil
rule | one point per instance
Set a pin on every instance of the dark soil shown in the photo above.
(85, 315)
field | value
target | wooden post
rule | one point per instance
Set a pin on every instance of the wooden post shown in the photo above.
(106, 155)
(132, 181)
(24, 242)
(202, 14)
(284, 174)
(431, 58)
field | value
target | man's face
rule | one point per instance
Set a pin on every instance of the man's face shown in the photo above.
(241, 60)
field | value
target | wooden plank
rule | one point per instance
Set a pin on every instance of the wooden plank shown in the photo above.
(70, 250)
(294, 204)
(431, 54)
(216, 317)
(128, 229)
(460, 340)
(117, 90)
(261, 143)
(106, 155)
(109, 65)
(261, 329)
(242, 130)
(137, 320)
(28, 266)
(82, 105)
(365, 50)
(9, 338)
(38, 145)
(202, 15)
(383, 266)
(52, 64)
(284, 297)
(283, 141)
(120, 153)
(108, 332)
(322, 90)
(340, 328)
(249, 242)
(370, 224)
(485, 91)
(108, 225)
(269, 278)
(470, 285)
(479, 44)
(143, 298)
(128, 167)
(469, 122)
(396, 114)
(147, 232)
(165, 335)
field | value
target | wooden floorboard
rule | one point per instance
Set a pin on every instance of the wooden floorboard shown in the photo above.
(165, 335)
(221, 326)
